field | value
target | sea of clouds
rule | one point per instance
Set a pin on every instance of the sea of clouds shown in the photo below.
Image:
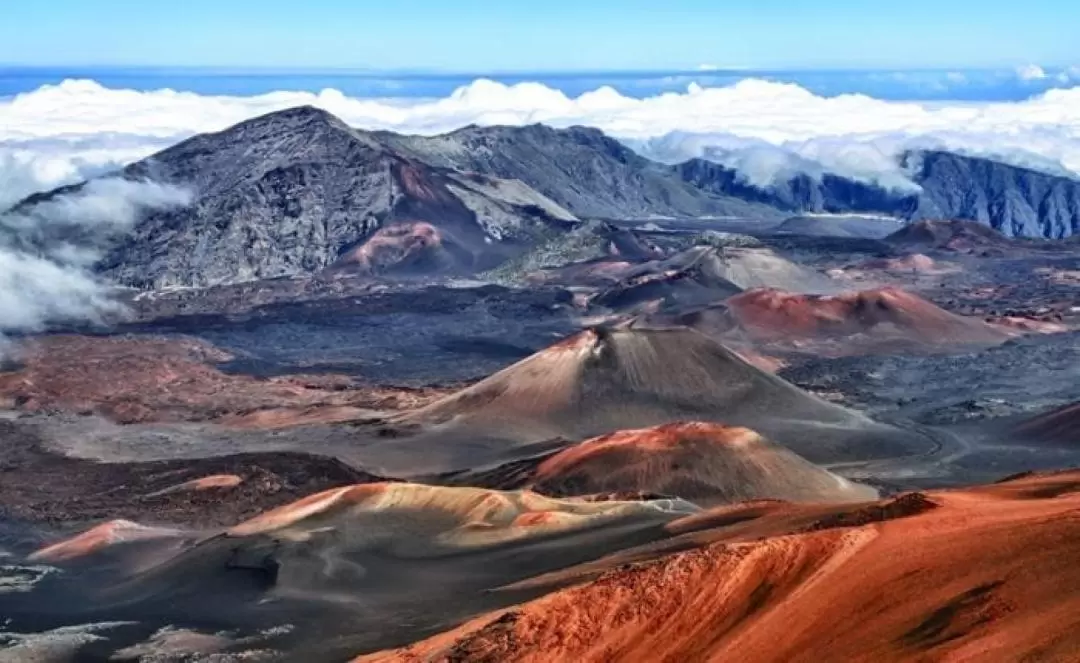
(77, 129)
(64, 132)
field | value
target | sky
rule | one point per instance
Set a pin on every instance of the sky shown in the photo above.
(554, 35)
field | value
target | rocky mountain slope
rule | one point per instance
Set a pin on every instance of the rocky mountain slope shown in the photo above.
(1015, 201)
(582, 169)
(298, 191)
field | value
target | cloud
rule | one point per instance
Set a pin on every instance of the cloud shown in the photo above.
(41, 164)
(1069, 75)
(61, 133)
(47, 249)
(1031, 72)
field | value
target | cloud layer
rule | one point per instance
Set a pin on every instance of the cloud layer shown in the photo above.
(63, 132)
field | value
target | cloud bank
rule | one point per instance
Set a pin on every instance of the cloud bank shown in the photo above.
(64, 132)
(46, 251)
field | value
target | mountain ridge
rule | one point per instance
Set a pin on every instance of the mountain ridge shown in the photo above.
(298, 191)
(1016, 201)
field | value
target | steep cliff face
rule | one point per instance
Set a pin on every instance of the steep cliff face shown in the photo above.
(802, 193)
(298, 191)
(1018, 202)
(582, 169)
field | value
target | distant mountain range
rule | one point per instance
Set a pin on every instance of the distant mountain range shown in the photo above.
(298, 191)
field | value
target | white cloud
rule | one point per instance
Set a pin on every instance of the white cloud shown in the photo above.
(46, 251)
(110, 203)
(1031, 72)
(61, 132)
(1069, 75)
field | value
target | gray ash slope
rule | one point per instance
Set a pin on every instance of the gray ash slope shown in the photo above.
(1018, 202)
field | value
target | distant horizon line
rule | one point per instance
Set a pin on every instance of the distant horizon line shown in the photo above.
(699, 70)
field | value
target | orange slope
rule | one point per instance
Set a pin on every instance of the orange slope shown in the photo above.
(982, 574)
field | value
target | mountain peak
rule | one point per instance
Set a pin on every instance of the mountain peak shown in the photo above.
(296, 119)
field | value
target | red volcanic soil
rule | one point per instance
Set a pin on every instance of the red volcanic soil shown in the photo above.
(758, 360)
(892, 313)
(981, 574)
(393, 245)
(701, 462)
(98, 538)
(202, 483)
(134, 379)
(1060, 426)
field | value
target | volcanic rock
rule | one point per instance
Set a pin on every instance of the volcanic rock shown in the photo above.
(298, 191)
(1016, 201)
(602, 380)
(583, 170)
(891, 314)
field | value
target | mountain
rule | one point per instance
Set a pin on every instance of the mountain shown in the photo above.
(298, 191)
(696, 276)
(591, 243)
(956, 236)
(580, 168)
(741, 267)
(601, 380)
(1018, 202)
(342, 565)
(705, 463)
(883, 319)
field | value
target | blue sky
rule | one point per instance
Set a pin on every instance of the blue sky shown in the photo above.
(549, 35)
